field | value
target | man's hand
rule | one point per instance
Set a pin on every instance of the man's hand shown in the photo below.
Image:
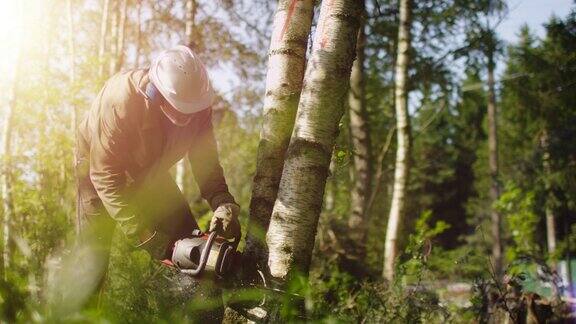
(225, 221)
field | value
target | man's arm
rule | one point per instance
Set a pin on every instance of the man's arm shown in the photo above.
(203, 156)
(107, 171)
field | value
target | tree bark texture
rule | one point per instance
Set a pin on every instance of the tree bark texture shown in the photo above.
(6, 171)
(72, 53)
(494, 193)
(189, 32)
(189, 35)
(402, 167)
(117, 37)
(362, 150)
(121, 36)
(297, 208)
(7, 203)
(103, 34)
(138, 33)
(549, 209)
(286, 66)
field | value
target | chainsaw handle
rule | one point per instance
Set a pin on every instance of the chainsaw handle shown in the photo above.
(234, 241)
(203, 257)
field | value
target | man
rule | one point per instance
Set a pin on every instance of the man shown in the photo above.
(141, 123)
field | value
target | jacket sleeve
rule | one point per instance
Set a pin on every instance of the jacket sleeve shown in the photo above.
(107, 170)
(203, 156)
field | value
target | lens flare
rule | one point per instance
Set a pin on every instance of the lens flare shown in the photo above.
(10, 35)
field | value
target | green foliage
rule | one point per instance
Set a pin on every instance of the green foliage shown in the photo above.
(419, 247)
(517, 207)
(465, 263)
(342, 298)
(339, 296)
(448, 203)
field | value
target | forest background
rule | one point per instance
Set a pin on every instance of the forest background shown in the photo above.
(479, 203)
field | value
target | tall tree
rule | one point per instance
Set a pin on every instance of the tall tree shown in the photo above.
(295, 215)
(402, 168)
(496, 221)
(118, 34)
(362, 149)
(138, 33)
(286, 65)
(549, 208)
(189, 32)
(539, 117)
(103, 35)
(7, 168)
(120, 55)
(483, 40)
(7, 203)
(72, 53)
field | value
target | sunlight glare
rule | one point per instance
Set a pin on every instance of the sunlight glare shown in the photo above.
(10, 35)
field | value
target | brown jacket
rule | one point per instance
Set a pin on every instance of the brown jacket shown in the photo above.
(128, 141)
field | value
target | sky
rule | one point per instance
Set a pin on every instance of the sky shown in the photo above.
(534, 13)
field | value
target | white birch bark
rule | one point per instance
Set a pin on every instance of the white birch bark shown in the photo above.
(7, 204)
(103, 34)
(138, 33)
(121, 36)
(402, 167)
(493, 167)
(286, 66)
(550, 217)
(362, 156)
(113, 37)
(297, 208)
(6, 171)
(72, 71)
(188, 35)
(117, 37)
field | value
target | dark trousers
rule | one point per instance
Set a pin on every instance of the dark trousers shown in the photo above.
(163, 201)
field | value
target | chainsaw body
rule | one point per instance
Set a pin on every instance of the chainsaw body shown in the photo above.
(204, 253)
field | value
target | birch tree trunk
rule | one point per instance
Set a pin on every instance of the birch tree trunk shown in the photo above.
(286, 66)
(493, 167)
(297, 208)
(138, 33)
(7, 204)
(72, 71)
(6, 171)
(550, 217)
(121, 36)
(362, 156)
(117, 37)
(188, 35)
(402, 168)
(191, 8)
(103, 34)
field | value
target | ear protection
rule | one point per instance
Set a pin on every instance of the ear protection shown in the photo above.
(153, 94)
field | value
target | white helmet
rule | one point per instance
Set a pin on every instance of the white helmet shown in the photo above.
(181, 78)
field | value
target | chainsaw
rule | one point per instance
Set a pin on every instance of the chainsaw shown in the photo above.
(205, 253)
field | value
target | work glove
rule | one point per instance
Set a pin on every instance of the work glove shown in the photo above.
(225, 221)
(157, 244)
